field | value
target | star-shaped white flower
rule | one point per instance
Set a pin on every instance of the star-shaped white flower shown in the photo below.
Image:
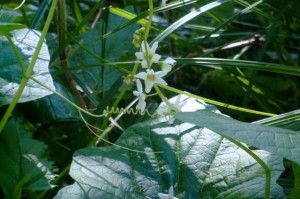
(148, 55)
(141, 96)
(168, 196)
(152, 78)
(168, 112)
(167, 64)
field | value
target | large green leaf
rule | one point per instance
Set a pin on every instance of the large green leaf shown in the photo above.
(24, 162)
(285, 143)
(7, 16)
(196, 161)
(5, 27)
(120, 44)
(11, 72)
(51, 108)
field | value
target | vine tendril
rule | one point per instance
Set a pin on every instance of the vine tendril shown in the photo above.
(117, 110)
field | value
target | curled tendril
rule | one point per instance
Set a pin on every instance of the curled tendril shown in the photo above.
(117, 110)
(92, 129)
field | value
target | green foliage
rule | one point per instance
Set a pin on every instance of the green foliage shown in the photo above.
(94, 71)
(275, 140)
(11, 70)
(6, 23)
(156, 155)
(24, 162)
(65, 79)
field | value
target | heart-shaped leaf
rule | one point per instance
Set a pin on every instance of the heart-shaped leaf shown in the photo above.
(156, 155)
(24, 162)
(11, 72)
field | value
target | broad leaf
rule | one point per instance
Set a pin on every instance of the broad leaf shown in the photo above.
(6, 28)
(285, 143)
(10, 70)
(24, 162)
(51, 108)
(7, 16)
(197, 162)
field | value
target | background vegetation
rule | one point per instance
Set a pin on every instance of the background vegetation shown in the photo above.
(236, 55)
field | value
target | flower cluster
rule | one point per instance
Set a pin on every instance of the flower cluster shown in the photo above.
(138, 37)
(147, 57)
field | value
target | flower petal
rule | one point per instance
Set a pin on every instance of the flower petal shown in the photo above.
(155, 58)
(145, 46)
(154, 47)
(139, 86)
(166, 67)
(136, 93)
(163, 196)
(171, 192)
(141, 106)
(161, 81)
(141, 75)
(139, 55)
(144, 63)
(148, 85)
(143, 96)
(160, 73)
(170, 61)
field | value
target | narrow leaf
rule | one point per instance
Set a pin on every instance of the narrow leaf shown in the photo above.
(139, 19)
(187, 18)
(252, 65)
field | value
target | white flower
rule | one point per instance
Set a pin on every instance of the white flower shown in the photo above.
(168, 196)
(163, 2)
(148, 56)
(167, 64)
(152, 78)
(168, 112)
(141, 96)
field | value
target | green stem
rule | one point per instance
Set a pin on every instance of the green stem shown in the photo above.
(135, 68)
(215, 102)
(258, 160)
(103, 47)
(161, 95)
(148, 27)
(147, 53)
(30, 68)
(62, 36)
(150, 19)
(66, 99)
(15, 49)
(17, 192)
